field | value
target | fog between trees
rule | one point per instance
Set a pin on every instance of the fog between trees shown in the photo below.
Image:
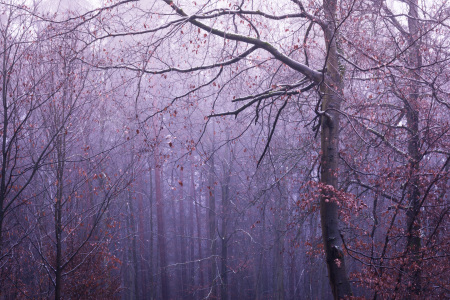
(224, 149)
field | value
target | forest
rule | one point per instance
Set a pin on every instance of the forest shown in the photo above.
(225, 149)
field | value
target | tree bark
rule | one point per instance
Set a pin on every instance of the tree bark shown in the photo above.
(412, 117)
(332, 95)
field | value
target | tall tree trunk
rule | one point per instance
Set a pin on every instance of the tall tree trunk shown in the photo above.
(5, 123)
(60, 146)
(332, 95)
(134, 256)
(279, 267)
(261, 281)
(182, 234)
(162, 251)
(191, 223)
(142, 273)
(224, 249)
(412, 117)
(150, 240)
(280, 225)
(212, 222)
(177, 280)
(199, 239)
(292, 275)
(129, 274)
(58, 218)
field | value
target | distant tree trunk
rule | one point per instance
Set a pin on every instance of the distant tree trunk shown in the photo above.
(60, 147)
(332, 95)
(191, 223)
(261, 281)
(129, 274)
(199, 234)
(142, 273)
(212, 222)
(150, 240)
(292, 275)
(174, 243)
(182, 233)
(224, 250)
(279, 293)
(162, 250)
(134, 256)
(58, 214)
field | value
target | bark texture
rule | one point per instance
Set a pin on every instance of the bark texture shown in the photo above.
(332, 95)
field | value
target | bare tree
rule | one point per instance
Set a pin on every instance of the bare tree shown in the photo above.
(244, 39)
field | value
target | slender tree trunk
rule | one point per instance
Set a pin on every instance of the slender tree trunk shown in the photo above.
(162, 250)
(174, 243)
(199, 241)
(279, 268)
(292, 275)
(224, 249)
(212, 222)
(191, 223)
(142, 273)
(182, 233)
(279, 250)
(60, 147)
(4, 140)
(261, 282)
(130, 279)
(150, 241)
(58, 228)
(134, 255)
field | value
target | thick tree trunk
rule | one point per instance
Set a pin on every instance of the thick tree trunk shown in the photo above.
(332, 95)
(412, 116)
(328, 206)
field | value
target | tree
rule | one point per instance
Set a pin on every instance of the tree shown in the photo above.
(236, 93)
(24, 94)
(245, 38)
(402, 131)
(75, 199)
